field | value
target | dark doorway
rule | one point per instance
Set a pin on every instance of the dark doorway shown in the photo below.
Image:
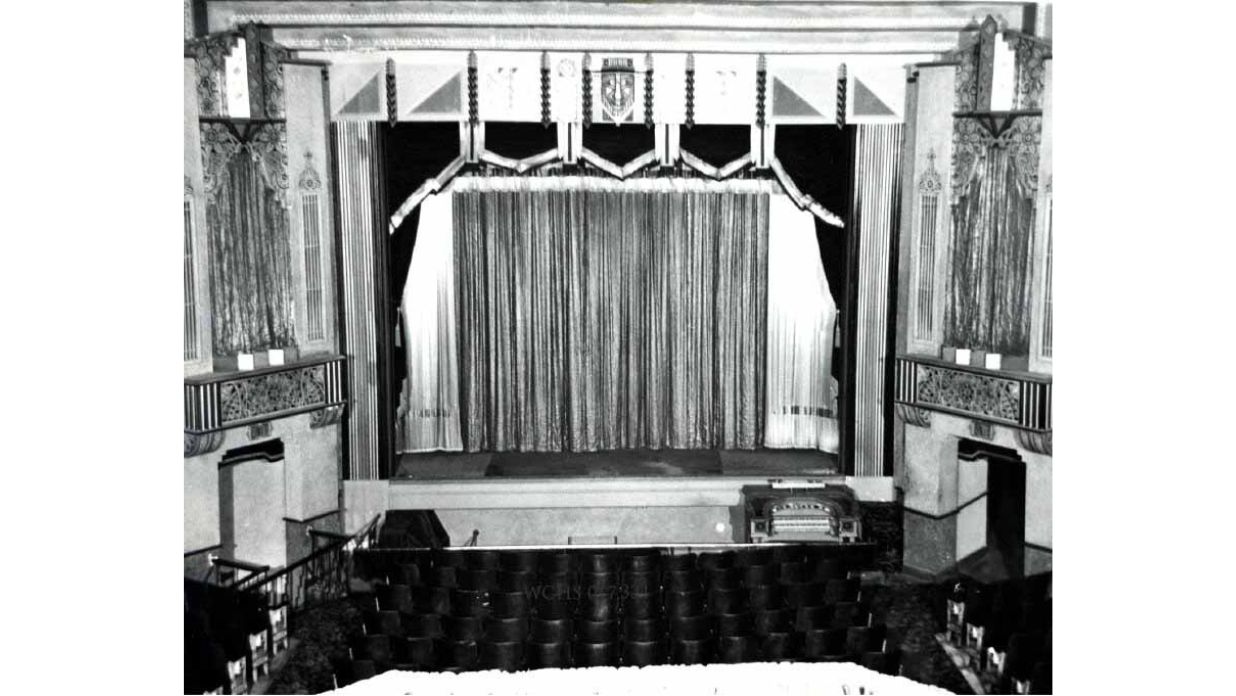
(1006, 508)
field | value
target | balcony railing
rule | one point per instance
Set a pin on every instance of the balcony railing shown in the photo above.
(1015, 399)
(217, 402)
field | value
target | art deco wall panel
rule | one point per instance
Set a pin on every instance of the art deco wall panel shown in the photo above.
(928, 214)
(313, 238)
(197, 287)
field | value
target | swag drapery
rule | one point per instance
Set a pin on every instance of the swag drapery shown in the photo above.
(595, 315)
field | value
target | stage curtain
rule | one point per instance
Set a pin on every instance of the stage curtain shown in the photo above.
(250, 247)
(429, 405)
(600, 315)
(992, 234)
(800, 407)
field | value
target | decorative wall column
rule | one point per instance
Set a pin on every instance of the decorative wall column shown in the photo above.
(358, 151)
(877, 171)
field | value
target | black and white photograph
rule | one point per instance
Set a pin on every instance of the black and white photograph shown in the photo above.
(617, 347)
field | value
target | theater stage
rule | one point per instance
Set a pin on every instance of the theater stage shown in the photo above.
(765, 463)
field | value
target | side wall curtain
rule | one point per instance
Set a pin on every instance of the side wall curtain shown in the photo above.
(801, 409)
(601, 319)
(249, 242)
(429, 405)
(993, 217)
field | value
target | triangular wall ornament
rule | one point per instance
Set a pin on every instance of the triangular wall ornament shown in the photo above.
(866, 103)
(444, 100)
(787, 102)
(366, 101)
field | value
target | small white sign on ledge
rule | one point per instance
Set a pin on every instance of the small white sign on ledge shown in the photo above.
(963, 356)
(275, 356)
(992, 361)
(244, 362)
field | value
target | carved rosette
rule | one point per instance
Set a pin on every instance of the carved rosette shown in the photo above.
(326, 417)
(205, 443)
(968, 392)
(271, 394)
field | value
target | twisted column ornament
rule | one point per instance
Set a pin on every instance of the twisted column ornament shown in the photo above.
(841, 94)
(474, 116)
(545, 95)
(761, 85)
(690, 90)
(648, 91)
(392, 103)
(586, 101)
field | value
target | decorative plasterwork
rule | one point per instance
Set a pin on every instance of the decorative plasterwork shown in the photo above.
(1030, 54)
(218, 402)
(615, 15)
(1039, 443)
(309, 181)
(209, 54)
(326, 416)
(241, 400)
(258, 431)
(969, 392)
(975, 136)
(930, 182)
(982, 430)
(204, 443)
(273, 57)
(266, 143)
(188, 187)
(915, 416)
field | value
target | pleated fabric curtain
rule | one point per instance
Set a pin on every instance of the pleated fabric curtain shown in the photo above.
(990, 280)
(598, 315)
(429, 405)
(250, 252)
(801, 401)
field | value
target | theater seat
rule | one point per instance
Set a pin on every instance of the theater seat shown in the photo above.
(847, 614)
(363, 669)
(883, 662)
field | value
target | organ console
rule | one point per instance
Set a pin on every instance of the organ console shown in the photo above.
(801, 512)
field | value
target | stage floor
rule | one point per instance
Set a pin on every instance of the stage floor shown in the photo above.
(615, 464)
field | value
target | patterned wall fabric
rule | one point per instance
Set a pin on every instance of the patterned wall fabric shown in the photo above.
(250, 249)
(996, 181)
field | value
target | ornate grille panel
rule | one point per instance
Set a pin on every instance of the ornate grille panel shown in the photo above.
(191, 340)
(218, 402)
(1047, 308)
(1014, 400)
(310, 205)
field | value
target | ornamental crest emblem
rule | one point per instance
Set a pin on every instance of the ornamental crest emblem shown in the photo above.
(618, 89)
